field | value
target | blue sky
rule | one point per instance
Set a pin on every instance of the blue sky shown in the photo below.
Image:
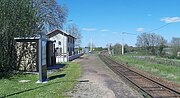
(104, 20)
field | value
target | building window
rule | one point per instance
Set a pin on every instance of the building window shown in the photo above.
(60, 50)
(59, 42)
(68, 39)
(71, 49)
(73, 41)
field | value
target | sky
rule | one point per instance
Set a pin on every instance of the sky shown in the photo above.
(103, 21)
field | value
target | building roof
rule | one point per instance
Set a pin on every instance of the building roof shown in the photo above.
(29, 39)
(58, 31)
(26, 39)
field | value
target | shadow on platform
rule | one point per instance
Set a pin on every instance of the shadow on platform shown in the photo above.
(56, 76)
(57, 66)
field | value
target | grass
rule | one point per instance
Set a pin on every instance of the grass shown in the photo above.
(171, 73)
(61, 82)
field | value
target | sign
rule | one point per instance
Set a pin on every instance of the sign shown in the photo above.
(43, 50)
(42, 60)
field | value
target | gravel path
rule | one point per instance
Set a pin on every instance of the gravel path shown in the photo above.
(98, 81)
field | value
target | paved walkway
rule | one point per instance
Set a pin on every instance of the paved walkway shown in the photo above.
(98, 81)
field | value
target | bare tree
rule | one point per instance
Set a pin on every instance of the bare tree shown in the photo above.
(151, 42)
(50, 14)
(73, 30)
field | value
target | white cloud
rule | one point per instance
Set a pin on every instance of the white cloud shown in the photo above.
(170, 19)
(140, 29)
(104, 30)
(89, 29)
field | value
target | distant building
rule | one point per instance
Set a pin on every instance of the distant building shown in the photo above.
(64, 42)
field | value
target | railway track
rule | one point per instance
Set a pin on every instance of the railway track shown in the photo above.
(151, 87)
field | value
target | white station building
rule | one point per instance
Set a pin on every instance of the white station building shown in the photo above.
(64, 44)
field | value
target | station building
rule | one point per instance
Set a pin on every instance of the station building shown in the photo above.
(64, 44)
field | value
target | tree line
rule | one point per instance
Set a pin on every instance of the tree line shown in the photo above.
(152, 44)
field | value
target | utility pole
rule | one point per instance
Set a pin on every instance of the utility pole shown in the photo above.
(110, 50)
(123, 40)
(108, 46)
(91, 42)
(91, 45)
(123, 43)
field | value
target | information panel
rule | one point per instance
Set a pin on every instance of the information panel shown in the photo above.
(43, 48)
(42, 60)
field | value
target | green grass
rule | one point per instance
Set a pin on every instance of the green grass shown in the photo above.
(55, 88)
(171, 73)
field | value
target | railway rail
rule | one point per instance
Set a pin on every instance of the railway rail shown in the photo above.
(150, 86)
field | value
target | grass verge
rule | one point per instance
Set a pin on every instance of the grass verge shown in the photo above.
(171, 73)
(60, 82)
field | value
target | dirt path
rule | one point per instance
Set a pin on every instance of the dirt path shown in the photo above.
(98, 81)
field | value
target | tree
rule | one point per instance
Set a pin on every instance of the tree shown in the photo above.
(99, 49)
(117, 49)
(128, 48)
(151, 42)
(17, 20)
(175, 44)
(73, 30)
(50, 14)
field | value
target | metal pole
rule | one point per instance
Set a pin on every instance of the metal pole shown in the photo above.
(40, 60)
(122, 43)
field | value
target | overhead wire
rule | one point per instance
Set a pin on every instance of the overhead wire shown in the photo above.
(158, 28)
(150, 31)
